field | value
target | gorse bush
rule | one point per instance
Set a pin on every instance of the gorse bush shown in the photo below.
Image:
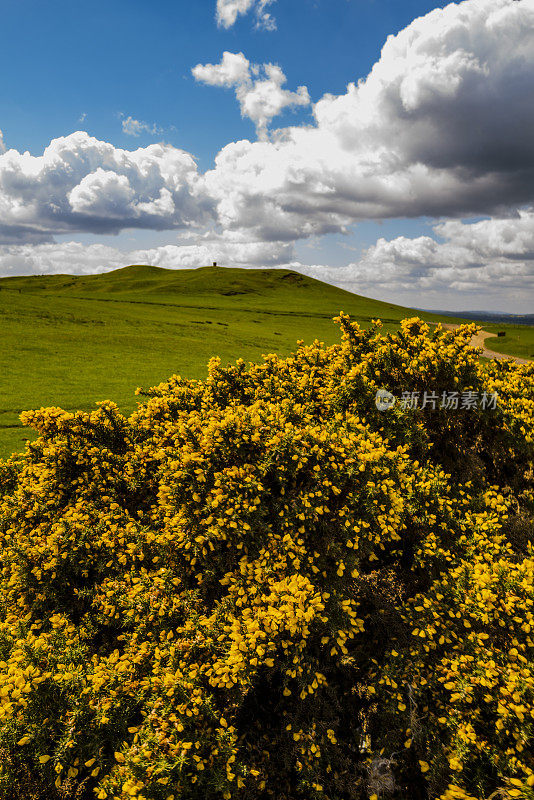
(259, 586)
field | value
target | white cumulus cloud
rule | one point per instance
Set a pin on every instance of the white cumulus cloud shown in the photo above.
(229, 10)
(442, 126)
(492, 259)
(233, 70)
(260, 98)
(83, 184)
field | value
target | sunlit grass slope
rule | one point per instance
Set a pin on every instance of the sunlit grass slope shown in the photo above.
(72, 340)
(518, 339)
(278, 290)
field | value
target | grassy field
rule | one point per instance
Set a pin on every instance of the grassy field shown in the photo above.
(70, 341)
(518, 339)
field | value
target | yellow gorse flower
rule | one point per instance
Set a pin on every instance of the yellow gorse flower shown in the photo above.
(258, 583)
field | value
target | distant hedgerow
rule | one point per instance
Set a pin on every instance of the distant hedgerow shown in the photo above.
(261, 587)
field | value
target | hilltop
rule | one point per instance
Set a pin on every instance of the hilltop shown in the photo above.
(266, 289)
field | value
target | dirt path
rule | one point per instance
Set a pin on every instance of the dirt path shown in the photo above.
(479, 341)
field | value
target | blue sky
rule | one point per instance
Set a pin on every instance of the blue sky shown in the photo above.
(65, 59)
(114, 69)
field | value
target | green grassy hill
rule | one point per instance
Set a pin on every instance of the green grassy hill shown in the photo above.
(71, 340)
(266, 289)
(518, 341)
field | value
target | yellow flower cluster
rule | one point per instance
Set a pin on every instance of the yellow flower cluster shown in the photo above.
(258, 583)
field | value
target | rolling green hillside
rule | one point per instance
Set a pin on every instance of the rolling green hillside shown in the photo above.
(72, 340)
(518, 341)
(277, 290)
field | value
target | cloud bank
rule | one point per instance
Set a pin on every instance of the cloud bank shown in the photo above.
(494, 256)
(68, 257)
